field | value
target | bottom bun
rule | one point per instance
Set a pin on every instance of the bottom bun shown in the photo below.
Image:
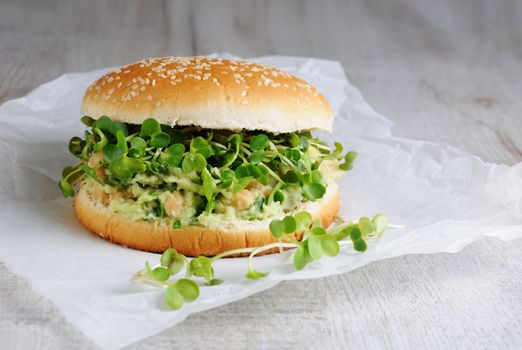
(193, 240)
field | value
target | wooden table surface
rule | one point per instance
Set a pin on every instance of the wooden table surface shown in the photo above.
(445, 71)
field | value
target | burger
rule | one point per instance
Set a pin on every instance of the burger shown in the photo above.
(200, 154)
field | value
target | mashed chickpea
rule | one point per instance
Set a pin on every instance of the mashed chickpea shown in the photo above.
(243, 200)
(173, 204)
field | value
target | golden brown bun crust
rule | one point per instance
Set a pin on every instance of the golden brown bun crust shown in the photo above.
(208, 92)
(189, 240)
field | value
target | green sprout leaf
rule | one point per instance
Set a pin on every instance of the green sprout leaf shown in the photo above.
(259, 142)
(160, 274)
(256, 157)
(293, 140)
(303, 219)
(254, 274)
(177, 149)
(188, 289)
(112, 152)
(76, 146)
(176, 136)
(200, 145)
(187, 165)
(194, 162)
(105, 124)
(314, 191)
(150, 127)
(301, 257)
(339, 236)
(349, 158)
(227, 176)
(168, 257)
(241, 183)
(209, 184)
(366, 226)
(202, 267)
(279, 196)
(199, 162)
(173, 261)
(315, 248)
(88, 121)
(380, 223)
(173, 298)
(289, 224)
(103, 140)
(277, 228)
(139, 144)
(355, 233)
(160, 140)
(360, 245)
(330, 245)
(66, 188)
(318, 231)
(125, 167)
(291, 177)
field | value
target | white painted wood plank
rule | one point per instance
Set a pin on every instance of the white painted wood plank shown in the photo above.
(443, 71)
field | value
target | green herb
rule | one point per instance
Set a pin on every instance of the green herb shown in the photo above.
(214, 160)
(315, 242)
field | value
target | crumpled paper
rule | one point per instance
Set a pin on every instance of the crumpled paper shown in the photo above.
(445, 198)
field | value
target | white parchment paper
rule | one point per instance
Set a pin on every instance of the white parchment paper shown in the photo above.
(445, 198)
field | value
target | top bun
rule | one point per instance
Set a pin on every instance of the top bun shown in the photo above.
(213, 93)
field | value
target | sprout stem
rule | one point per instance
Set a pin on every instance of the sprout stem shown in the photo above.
(266, 247)
(232, 252)
(271, 172)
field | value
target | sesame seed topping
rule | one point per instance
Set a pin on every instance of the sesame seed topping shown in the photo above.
(253, 79)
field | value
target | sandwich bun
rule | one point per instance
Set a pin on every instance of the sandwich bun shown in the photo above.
(193, 240)
(212, 93)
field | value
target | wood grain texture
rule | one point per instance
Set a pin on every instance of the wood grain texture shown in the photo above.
(443, 71)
